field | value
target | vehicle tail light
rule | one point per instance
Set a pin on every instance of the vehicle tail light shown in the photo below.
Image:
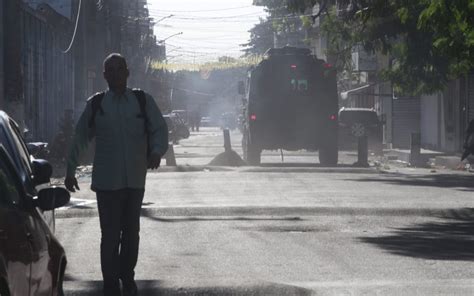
(293, 66)
(253, 117)
(333, 117)
(327, 65)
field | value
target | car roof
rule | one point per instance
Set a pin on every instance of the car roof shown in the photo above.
(9, 146)
(5, 135)
(345, 109)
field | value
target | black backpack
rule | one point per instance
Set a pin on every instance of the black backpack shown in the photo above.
(96, 105)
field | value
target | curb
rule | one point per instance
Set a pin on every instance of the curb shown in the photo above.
(153, 288)
(200, 213)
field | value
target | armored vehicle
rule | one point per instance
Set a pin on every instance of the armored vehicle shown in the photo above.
(290, 103)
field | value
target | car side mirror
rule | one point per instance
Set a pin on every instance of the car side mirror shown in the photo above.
(42, 171)
(241, 88)
(52, 198)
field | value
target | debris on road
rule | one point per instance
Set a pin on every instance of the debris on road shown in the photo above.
(228, 158)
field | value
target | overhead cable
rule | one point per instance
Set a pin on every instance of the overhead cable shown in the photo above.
(211, 17)
(222, 9)
(75, 29)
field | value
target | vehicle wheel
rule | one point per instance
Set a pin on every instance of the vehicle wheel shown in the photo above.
(328, 154)
(251, 153)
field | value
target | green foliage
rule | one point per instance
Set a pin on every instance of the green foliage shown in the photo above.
(429, 41)
(340, 39)
(261, 38)
(281, 23)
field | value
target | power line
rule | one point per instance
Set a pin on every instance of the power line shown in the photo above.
(75, 29)
(230, 18)
(205, 42)
(181, 46)
(211, 17)
(223, 9)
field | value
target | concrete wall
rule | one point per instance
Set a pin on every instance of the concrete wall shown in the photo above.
(48, 75)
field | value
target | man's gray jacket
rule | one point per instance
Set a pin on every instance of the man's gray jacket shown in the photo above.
(120, 159)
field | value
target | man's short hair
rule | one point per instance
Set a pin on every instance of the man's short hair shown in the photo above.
(114, 56)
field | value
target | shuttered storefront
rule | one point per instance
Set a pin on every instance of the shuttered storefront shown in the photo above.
(406, 120)
(48, 75)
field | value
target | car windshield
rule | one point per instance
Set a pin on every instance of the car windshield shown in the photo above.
(361, 116)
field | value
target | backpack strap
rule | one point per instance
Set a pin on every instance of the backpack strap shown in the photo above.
(141, 97)
(96, 105)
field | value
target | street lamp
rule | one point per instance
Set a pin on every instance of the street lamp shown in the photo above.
(163, 40)
(174, 49)
(173, 57)
(163, 18)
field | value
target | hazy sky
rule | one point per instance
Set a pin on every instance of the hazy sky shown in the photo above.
(211, 28)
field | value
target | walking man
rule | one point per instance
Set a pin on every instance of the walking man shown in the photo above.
(131, 136)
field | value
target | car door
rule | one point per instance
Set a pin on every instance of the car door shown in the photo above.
(39, 237)
(15, 246)
(36, 228)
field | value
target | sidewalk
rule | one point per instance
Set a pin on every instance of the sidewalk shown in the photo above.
(432, 159)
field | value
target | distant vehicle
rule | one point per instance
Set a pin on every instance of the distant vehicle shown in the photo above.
(357, 122)
(229, 120)
(291, 103)
(32, 261)
(206, 121)
(177, 128)
(183, 114)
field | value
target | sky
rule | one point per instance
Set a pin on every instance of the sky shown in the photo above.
(210, 28)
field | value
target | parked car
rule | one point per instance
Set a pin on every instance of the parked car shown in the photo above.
(183, 114)
(357, 122)
(177, 128)
(32, 261)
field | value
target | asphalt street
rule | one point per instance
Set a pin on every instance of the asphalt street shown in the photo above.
(288, 227)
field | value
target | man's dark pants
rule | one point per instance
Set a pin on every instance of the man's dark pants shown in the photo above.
(119, 214)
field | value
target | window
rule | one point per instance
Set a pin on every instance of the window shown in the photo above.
(8, 192)
(299, 85)
(352, 116)
(21, 146)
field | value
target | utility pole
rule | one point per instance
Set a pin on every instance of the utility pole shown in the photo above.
(13, 82)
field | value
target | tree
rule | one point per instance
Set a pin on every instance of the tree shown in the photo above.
(261, 38)
(430, 42)
(283, 26)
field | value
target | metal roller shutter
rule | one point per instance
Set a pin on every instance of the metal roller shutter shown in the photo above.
(406, 119)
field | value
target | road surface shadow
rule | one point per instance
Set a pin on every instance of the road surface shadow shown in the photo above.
(448, 238)
(153, 217)
(463, 182)
(299, 165)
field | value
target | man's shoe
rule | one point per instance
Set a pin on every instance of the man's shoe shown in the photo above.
(129, 288)
(112, 288)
